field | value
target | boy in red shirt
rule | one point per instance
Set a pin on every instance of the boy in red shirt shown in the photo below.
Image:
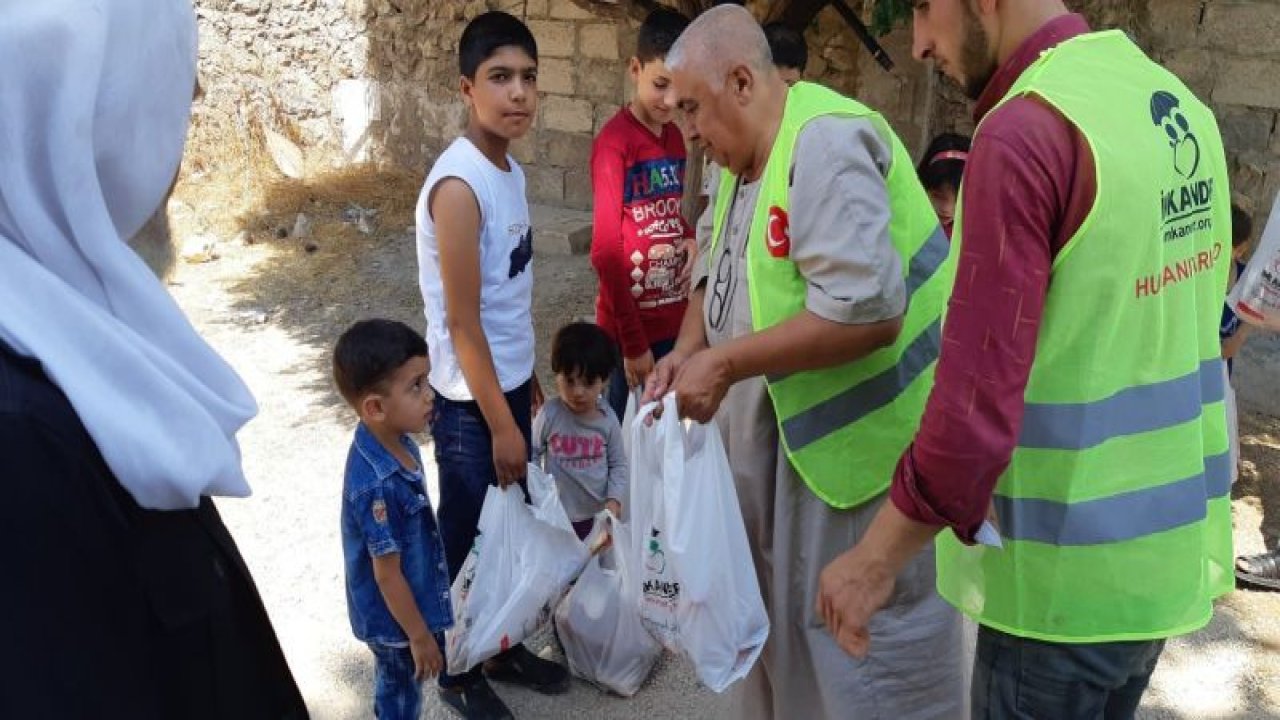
(641, 247)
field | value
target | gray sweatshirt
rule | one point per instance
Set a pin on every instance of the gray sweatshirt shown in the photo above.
(584, 454)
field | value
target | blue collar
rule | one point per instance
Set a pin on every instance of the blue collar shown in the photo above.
(384, 464)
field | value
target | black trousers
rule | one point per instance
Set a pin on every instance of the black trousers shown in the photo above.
(1017, 678)
(108, 610)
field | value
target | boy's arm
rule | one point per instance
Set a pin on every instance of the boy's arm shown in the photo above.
(608, 254)
(456, 214)
(539, 436)
(618, 470)
(1232, 345)
(399, 598)
(374, 512)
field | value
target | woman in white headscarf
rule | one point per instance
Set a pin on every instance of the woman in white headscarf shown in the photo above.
(123, 594)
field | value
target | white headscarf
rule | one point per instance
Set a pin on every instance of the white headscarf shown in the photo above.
(94, 101)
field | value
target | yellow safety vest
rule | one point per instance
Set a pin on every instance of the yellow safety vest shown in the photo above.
(844, 428)
(1115, 508)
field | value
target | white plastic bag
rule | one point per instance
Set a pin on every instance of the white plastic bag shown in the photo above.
(599, 620)
(628, 417)
(521, 563)
(1256, 295)
(699, 593)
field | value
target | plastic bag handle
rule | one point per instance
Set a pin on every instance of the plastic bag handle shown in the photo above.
(675, 449)
(611, 522)
(644, 411)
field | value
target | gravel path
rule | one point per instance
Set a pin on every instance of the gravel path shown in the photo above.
(274, 310)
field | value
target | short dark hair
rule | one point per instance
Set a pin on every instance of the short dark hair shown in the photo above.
(370, 352)
(937, 170)
(658, 33)
(489, 32)
(787, 46)
(582, 349)
(1241, 226)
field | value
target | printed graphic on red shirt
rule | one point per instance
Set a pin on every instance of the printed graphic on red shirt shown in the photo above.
(651, 197)
(576, 451)
(637, 180)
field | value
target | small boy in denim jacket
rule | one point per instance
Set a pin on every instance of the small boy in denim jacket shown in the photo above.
(397, 580)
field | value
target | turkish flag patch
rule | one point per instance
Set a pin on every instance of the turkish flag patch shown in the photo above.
(778, 235)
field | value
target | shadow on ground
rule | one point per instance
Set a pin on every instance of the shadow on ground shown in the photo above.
(1211, 674)
(315, 286)
(1259, 482)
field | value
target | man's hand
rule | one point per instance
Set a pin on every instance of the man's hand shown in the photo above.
(637, 369)
(660, 381)
(510, 458)
(427, 660)
(701, 385)
(663, 375)
(851, 590)
(614, 507)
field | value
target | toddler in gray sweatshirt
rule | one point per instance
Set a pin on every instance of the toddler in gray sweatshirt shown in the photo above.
(576, 437)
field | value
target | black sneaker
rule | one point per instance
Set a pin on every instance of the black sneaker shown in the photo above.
(476, 701)
(1262, 570)
(518, 665)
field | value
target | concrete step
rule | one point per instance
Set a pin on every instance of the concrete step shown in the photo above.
(560, 231)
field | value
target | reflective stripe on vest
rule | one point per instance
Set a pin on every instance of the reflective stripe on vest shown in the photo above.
(1119, 517)
(843, 428)
(1078, 426)
(927, 260)
(866, 397)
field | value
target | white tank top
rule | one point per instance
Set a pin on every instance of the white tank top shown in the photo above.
(506, 271)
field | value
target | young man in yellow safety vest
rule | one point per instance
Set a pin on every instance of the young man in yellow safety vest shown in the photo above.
(1078, 401)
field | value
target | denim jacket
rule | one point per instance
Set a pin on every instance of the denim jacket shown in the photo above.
(385, 510)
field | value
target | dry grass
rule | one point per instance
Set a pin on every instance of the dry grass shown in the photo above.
(230, 187)
(231, 183)
(392, 192)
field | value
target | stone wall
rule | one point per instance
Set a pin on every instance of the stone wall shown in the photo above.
(1227, 51)
(377, 79)
(1230, 56)
(357, 80)
(277, 64)
(580, 77)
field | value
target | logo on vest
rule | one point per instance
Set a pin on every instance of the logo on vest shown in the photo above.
(778, 235)
(1187, 208)
(1167, 115)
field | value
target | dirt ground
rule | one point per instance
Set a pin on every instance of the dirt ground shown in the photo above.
(273, 309)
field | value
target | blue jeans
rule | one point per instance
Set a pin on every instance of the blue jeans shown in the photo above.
(618, 390)
(397, 695)
(464, 456)
(1021, 678)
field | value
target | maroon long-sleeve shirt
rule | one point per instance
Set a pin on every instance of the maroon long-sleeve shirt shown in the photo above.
(637, 179)
(1028, 185)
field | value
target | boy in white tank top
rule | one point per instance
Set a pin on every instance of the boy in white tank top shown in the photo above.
(475, 247)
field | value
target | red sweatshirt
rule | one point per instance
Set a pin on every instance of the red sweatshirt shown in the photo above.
(638, 180)
(1028, 186)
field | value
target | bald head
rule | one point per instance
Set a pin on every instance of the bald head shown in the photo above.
(729, 94)
(720, 39)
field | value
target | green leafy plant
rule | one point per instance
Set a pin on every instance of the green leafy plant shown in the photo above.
(886, 14)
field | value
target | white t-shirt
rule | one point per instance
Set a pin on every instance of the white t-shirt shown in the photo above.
(506, 272)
